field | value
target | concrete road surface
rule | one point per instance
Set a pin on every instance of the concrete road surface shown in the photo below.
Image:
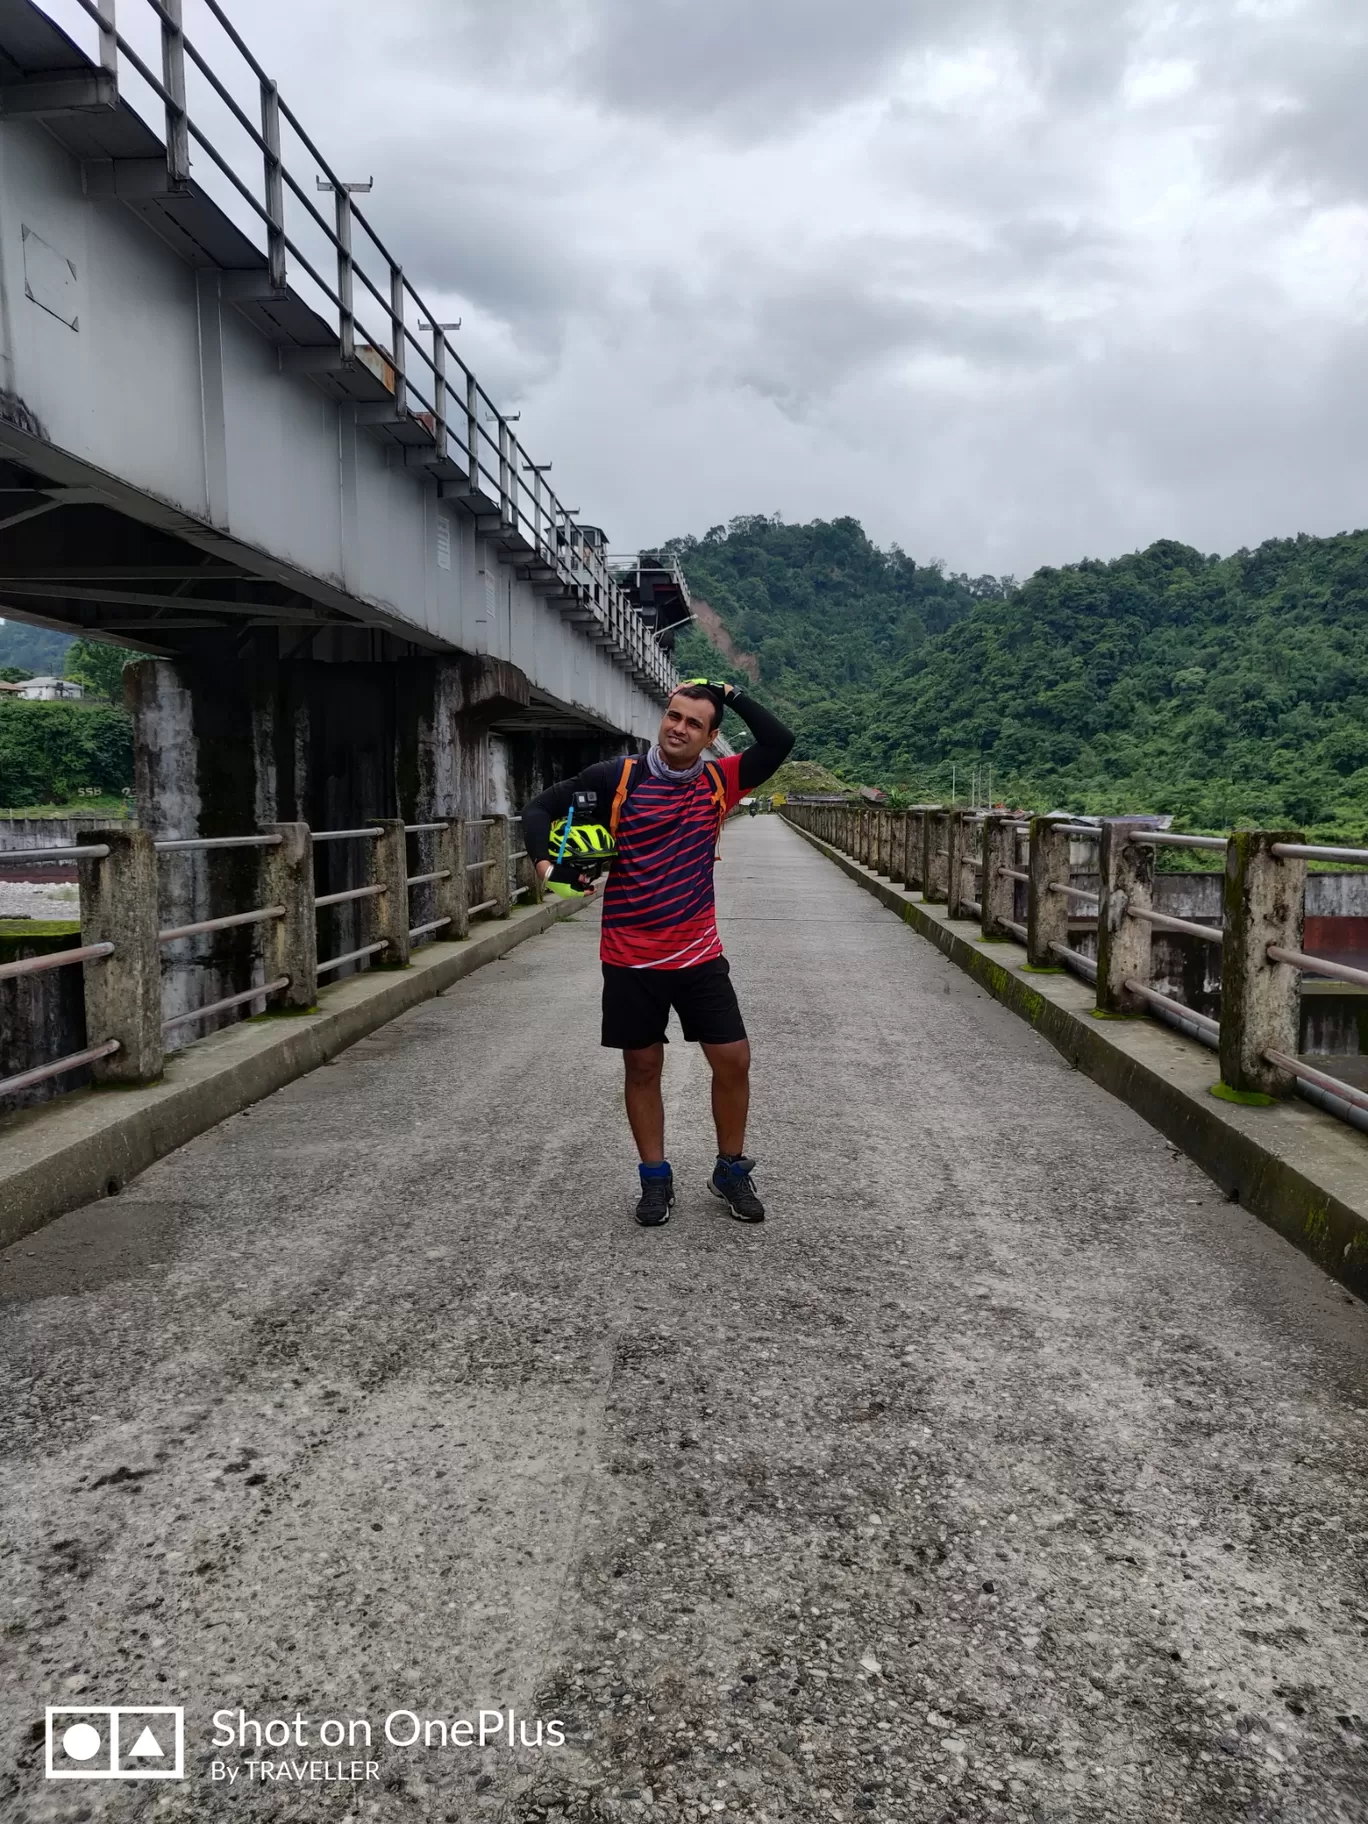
(1006, 1473)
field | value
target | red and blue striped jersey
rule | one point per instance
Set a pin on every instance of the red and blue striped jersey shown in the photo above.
(658, 906)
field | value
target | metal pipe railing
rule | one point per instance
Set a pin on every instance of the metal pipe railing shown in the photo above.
(56, 959)
(259, 917)
(232, 1000)
(349, 893)
(352, 956)
(1165, 921)
(1314, 851)
(1166, 839)
(1075, 959)
(1319, 1079)
(1316, 965)
(190, 844)
(368, 834)
(95, 851)
(26, 1079)
(435, 924)
(1198, 1025)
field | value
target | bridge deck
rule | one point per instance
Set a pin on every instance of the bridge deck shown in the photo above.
(1006, 1472)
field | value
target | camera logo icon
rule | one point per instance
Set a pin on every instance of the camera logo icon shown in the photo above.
(116, 1742)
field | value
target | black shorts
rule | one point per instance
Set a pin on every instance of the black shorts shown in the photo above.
(637, 1003)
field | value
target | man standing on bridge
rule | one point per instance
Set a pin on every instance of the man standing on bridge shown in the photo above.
(659, 945)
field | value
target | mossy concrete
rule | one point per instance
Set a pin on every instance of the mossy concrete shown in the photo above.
(1298, 1170)
(92, 1142)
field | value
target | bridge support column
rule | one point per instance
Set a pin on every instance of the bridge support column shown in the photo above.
(1264, 901)
(935, 844)
(123, 993)
(290, 944)
(997, 894)
(1123, 944)
(1047, 913)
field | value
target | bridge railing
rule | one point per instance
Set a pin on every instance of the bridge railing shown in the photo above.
(409, 885)
(198, 87)
(1083, 897)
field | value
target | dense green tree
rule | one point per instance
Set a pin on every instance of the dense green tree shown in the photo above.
(99, 666)
(48, 751)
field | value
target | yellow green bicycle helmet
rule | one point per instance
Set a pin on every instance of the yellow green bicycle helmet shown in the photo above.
(577, 850)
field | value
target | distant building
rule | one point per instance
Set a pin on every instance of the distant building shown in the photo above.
(48, 690)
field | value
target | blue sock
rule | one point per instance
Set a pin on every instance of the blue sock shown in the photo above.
(655, 1171)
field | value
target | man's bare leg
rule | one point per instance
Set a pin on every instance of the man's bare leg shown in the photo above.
(730, 1094)
(645, 1104)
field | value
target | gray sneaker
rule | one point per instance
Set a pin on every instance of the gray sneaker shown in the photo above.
(731, 1181)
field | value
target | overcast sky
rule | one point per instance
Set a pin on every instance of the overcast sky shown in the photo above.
(1012, 281)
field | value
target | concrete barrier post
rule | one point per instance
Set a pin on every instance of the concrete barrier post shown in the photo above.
(960, 841)
(1123, 943)
(123, 998)
(391, 920)
(884, 830)
(1047, 914)
(498, 885)
(452, 895)
(935, 847)
(997, 896)
(290, 944)
(1264, 901)
(916, 842)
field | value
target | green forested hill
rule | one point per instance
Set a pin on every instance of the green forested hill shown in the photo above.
(1220, 689)
(828, 615)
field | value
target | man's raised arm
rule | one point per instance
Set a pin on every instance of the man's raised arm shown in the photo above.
(773, 742)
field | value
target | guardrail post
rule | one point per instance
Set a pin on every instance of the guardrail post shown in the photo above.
(885, 865)
(1123, 944)
(392, 906)
(916, 832)
(290, 944)
(453, 895)
(123, 996)
(997, 897)
(1047, 914)
(960, 843)
(935, 833)
(498, 886)
(1264, 901)
(447, 898)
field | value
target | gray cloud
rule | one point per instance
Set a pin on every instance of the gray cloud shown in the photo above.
(1010, 279)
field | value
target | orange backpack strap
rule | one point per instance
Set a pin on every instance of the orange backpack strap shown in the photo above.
(719, 791)
(624, 785)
